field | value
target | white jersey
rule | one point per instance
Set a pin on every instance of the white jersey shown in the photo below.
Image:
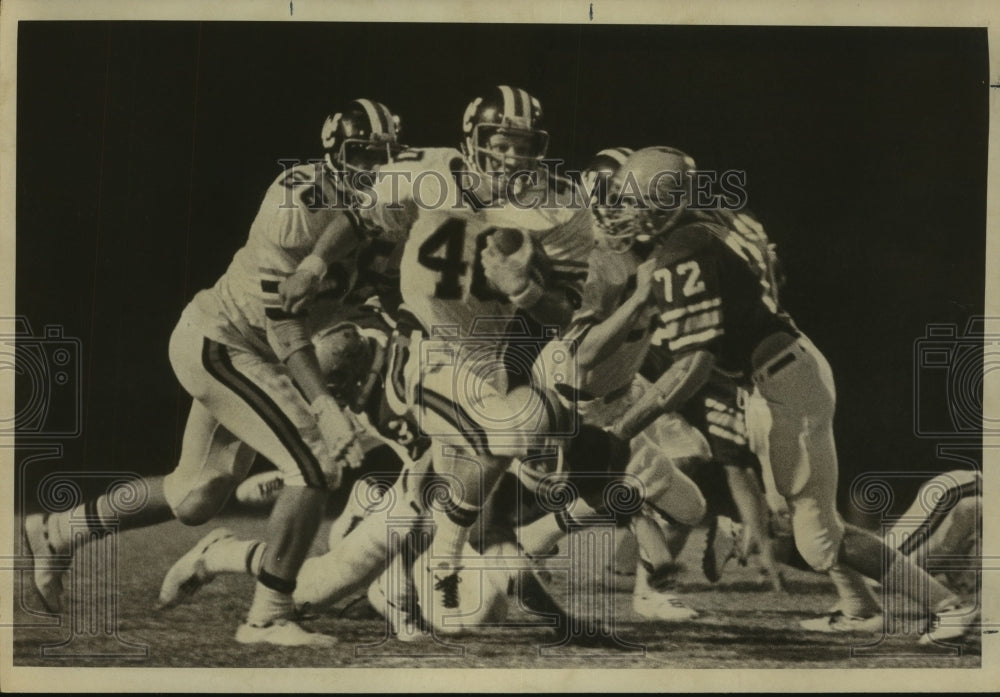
(420, 196)
(297, 208)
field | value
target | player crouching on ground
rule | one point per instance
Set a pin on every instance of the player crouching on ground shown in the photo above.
(718, 308)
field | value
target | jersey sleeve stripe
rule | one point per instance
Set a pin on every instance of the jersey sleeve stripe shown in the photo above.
(670, 315)
(726, 434)
(699, 338)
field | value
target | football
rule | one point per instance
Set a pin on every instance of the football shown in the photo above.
(508, 240)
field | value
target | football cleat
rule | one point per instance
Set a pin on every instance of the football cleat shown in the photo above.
(46, 573)
(723, 544)
(188, 574)
(443, 581)
(839, 622)
(402, 611)
(951, 623)
(282, 632)
(665, 607)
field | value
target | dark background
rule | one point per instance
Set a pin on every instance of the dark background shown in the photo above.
(144, 148)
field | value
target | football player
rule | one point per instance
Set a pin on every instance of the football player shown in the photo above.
(251, 368)
(718, 308)
(610, 339)
(942, 529)
(461, 288)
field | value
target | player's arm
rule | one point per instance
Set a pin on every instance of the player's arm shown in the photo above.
(688, 290)
(514, 276)
(336, 241)
(670, 392)
(606, 337)
(289, 337)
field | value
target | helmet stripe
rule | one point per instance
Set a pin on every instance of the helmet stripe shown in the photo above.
(619, 155)
(509, 102)
(525, 100)
(375, 116)
(390, 122)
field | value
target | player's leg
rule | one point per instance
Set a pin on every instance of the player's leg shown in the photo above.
(258, 403)
(676, 500)
(212, 463)
(800, 399)
(941, 530)
(476, 433)
(358, 557)
(800, 404)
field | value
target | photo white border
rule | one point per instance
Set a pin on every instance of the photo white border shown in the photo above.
(967, 13)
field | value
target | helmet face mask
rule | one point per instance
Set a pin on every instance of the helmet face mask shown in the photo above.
(645, 197)
(360, 138)
(503, 139)
(357, 155)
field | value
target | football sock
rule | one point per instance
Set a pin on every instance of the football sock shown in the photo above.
(452, 529)
(69, 529)
(856, 598)
(269, 605)
(540, 537)
(235, 556)
(652, 542)
(867, 553)
(97, 517)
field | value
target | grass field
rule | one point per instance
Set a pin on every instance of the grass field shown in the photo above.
(741, 624)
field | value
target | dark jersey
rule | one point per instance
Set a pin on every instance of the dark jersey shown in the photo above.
(715, 289)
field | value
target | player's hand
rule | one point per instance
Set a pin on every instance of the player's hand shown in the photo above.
(509, 274)
(338, 431)
(298, 289)
(644, 280)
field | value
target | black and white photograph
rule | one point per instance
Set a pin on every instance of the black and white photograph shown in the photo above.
(578, 338)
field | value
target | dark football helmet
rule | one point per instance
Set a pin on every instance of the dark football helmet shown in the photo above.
(360, 137)
(503, 133)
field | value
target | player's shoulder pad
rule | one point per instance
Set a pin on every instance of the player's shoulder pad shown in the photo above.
(443, 160)
(685, 241)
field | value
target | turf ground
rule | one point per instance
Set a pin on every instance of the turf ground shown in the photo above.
(742, 624)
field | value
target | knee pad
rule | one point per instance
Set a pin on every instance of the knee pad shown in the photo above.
(195, 504)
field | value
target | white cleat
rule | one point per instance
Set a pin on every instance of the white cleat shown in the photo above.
(443, 581)
(952, 623)
(282, 632)
(401, 612)
(723, 544)
(665, 607)
(46, 572)
(839, 622)
(188, 574)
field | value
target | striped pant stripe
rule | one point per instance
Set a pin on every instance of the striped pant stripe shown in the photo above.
(215, 358)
